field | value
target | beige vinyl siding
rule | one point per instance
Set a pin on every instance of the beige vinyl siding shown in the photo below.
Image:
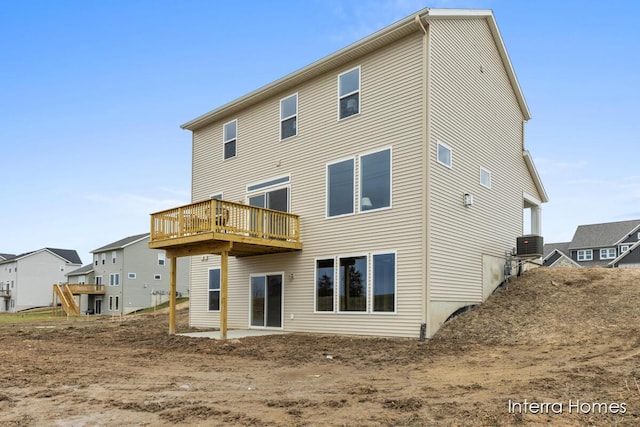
(391, 102)
(475, 112)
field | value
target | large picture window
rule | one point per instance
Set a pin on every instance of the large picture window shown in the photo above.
(214, 289)
(289, 117)
(349, 92)
(324, 284)
(384, 282)
(375, 180)
(353, 283)
(230, 133)
(340, 188)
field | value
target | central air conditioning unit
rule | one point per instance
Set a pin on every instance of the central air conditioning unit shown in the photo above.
(530, 246)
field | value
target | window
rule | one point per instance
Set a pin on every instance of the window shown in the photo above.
(82, 280)
(340, 188)
(324, 284)
(384, 282)
(585, 255)
(230, 131)
(485, 177)
(104, 257)
(114, 279)
(375, 180)
(95, 259)
(161, 258)
(608, 253)
(274, 198)
(111, 303)
(113, 257)
(445, 155)
(624, 248)
(353, 283)
(349, 93)
(131, 275)
(216, 196)
(157, 277)
(117, 303)
(98, 280)
(214, 289)
(289, 117)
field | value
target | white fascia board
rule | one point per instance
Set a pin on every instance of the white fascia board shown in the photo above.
(634, 230)
(635, 245)
(536, 177)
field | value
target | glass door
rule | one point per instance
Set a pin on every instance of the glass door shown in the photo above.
(266, 301)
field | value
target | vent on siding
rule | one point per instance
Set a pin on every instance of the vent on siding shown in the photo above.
(529, 246)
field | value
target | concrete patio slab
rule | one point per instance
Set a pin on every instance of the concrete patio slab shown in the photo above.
(233, 334)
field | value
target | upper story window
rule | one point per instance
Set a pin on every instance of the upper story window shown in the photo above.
(485, 177)
(114, 279)
(445, 155)
(114, 255)
(375, 180)
(608, 253)
(349, 92)
(230, 134)
(340, 187)
(585, 255)
(104, 258)
(624, 248)
(95, 259)
(289, 116)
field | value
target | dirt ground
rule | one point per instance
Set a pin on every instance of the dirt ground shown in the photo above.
(566, 340)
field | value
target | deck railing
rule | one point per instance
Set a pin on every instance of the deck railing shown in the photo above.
(221, 216)
(5, 293)
(82, 288)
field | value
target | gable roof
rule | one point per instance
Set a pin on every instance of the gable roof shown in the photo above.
(375, 41)
(624, 254)
(6, 256)
(554, 252)
(119, 244)
(602, 235)
(82, 270)
(549, 248)
(68, 255)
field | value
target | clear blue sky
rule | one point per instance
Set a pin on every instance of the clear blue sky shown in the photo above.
(92, 94)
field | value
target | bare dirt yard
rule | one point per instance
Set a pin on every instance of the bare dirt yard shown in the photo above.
(556, 347)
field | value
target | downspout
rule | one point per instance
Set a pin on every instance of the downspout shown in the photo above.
(424, 326)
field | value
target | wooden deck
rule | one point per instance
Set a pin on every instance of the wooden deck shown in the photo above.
(214, 226)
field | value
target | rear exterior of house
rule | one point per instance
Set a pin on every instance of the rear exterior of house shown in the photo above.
(28, 277)
(134, 276)
(403, 156)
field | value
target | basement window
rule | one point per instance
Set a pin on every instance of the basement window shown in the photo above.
(214, 289)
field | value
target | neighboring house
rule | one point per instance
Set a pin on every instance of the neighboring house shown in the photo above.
(26, 279)
(134, 276)
(555, 255)
(381, 188)
(89, 298)
(612, 244)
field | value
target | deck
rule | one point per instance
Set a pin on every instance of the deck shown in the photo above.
(214, 226)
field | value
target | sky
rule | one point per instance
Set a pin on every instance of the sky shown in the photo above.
(93, 93)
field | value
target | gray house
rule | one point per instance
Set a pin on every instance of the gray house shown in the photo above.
(134, 276)
(26, 279)
(611, 244)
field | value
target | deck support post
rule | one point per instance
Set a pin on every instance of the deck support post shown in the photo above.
(172, 295)
(224, 282)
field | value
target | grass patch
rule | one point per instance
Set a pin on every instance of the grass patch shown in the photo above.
(45, 313)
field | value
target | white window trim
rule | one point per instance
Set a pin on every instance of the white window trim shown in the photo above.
(450, 154)
(488, 172)
(585, 252)
(358, 196)
(395, 282)
(315, 284)
(359, 92)
(157, 277)
(162, 257)
(114, 257)
(367, 284)
(262, 187)
(624, 248)
(131, 276)
(326, 188)
(607, 256)
(224, 141)
(282, 119)
(210, 290)
(112, 279)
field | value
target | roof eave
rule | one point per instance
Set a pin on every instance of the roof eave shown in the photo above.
(536, 177)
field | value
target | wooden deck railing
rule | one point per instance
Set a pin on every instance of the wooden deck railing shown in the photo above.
(221, 216)
(82, 288)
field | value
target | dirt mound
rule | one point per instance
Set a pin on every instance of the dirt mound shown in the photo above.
(553, 336)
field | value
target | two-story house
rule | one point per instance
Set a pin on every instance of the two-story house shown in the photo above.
(374, 192)
(25, 279)
(134, 276)
(609, 244)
